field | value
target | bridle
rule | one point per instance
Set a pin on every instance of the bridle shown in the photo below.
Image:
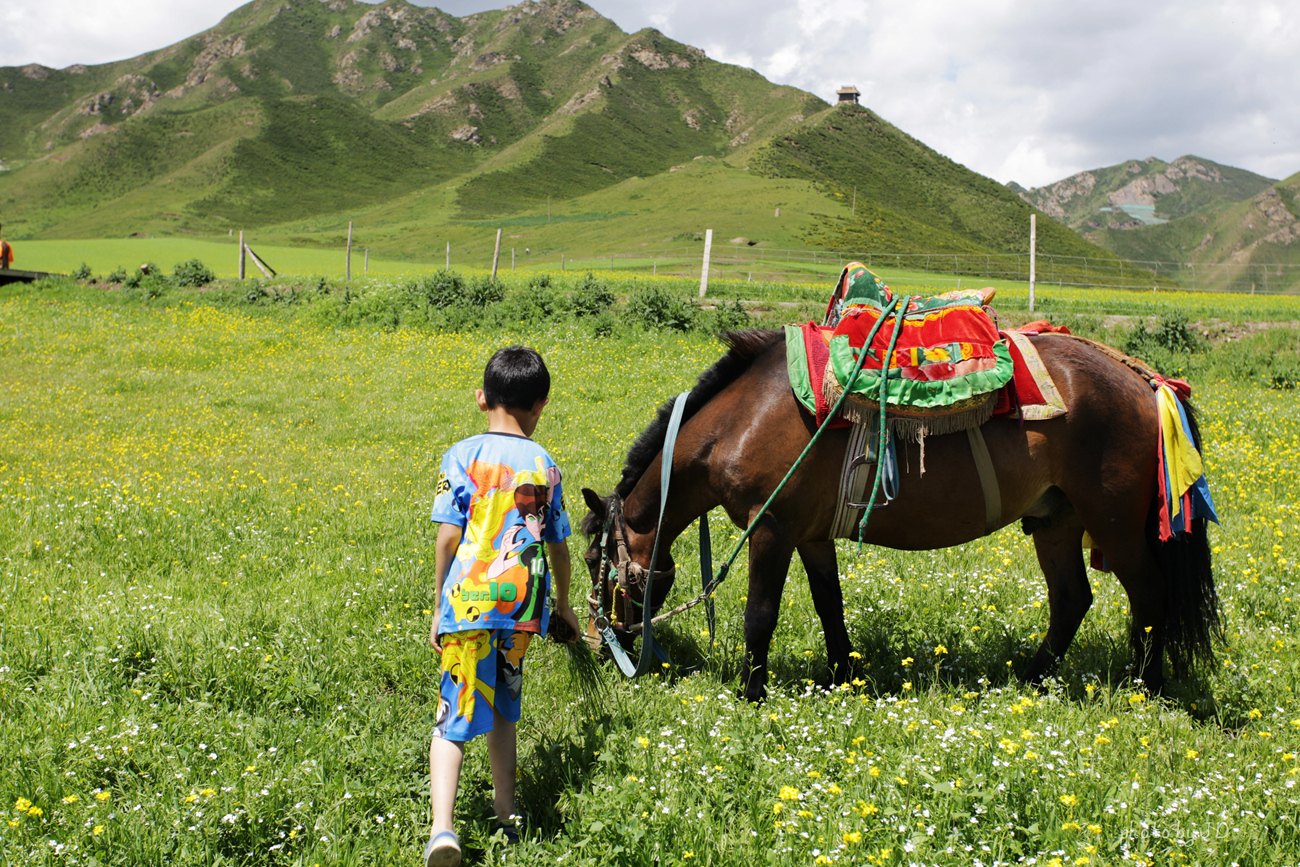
(618, 574)
(627, 574)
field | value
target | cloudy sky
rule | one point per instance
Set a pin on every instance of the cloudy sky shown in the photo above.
(1023, 90)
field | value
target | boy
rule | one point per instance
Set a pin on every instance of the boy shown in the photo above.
(502, 513)
(6, 252)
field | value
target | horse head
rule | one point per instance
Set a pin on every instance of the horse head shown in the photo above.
(618, 560)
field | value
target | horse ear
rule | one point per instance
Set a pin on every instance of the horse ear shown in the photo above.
(594, 503)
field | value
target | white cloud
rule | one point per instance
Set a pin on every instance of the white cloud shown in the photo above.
(1015, 89)
(59, 33)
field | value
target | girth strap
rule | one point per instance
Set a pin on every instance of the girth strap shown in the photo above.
(988, 479)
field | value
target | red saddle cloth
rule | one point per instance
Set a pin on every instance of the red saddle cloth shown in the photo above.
(1031, 394)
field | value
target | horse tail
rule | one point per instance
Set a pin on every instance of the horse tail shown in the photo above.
(1192, 623)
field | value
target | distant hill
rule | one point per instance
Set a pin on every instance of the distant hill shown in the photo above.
(1191, 211)
(294, 116)
(1142, 193)
(1230, 247)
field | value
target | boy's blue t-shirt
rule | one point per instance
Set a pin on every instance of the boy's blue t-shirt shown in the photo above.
(504, 491)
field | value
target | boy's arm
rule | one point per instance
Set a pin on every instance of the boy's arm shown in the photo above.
(444, 553)
(561, 569)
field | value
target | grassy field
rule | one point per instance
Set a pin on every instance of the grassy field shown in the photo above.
(215, 588)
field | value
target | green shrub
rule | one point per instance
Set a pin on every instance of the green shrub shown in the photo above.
(118, 276)
(439, 290)
(591, 297)
(82, 273)
(1173, 334)
(484, 291)
(192, 274)
(727, 316)
(602, 324)
(536, 300)
(149, 279)
(655, 308)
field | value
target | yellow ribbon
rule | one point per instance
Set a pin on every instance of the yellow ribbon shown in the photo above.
(1181, 456)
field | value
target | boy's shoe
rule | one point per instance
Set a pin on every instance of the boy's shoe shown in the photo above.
(510, 832)
(442, 850)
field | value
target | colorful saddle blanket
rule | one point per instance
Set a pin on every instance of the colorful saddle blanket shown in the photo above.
(951, 368)
(1030, 395)
(946, 366)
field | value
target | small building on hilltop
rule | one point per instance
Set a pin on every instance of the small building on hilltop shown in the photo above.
(848, 93)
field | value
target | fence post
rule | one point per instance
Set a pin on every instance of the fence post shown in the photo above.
(366, 266)
(704, 268)
(242, 255)
(512, 258)
(496, 255)
(561, 261)
(1033, 244)
(347, 262)
(449, 255)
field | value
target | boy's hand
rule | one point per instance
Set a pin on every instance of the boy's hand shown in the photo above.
(434, 638)
(566, 614)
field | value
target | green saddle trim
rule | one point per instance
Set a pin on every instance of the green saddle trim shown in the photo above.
(796, 361)
(920, 393)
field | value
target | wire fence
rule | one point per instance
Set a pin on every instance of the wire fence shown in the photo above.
(730, 261)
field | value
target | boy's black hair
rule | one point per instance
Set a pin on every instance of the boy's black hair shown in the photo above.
(515, 378)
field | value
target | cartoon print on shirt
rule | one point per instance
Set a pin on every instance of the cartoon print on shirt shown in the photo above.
(503, 565)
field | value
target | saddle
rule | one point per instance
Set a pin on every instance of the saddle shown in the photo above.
(947, 365)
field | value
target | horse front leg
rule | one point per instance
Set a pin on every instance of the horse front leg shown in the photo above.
(769, 561)
(823, 570)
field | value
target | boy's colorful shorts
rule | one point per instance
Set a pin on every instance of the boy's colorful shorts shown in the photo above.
(481, 669)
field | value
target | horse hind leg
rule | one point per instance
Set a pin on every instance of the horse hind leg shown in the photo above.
(820, 563)
(1121, 533)
(1058, 543)
(1139, 573)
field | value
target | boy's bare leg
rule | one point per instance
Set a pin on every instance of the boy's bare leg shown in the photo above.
(445, 760)
(502, 753)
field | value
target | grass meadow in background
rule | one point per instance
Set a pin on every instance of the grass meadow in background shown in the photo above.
(216, 581)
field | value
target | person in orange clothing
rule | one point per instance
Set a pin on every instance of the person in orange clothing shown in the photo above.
(6, 251)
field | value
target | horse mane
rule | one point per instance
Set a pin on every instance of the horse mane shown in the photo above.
(742, 348)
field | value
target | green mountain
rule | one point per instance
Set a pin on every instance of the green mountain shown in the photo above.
(1219, 226)
(1238, 246)
(294, 117)
(1145, 193)
(905, 195)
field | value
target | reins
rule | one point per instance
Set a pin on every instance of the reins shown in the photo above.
(614, 519)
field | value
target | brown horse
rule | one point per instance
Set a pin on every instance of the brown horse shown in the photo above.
(1093, 470)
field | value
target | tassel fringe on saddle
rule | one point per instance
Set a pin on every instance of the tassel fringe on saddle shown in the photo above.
(906, 423)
